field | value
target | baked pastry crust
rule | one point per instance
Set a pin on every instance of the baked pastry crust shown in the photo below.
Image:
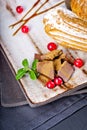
(66, 28)
(80, 8)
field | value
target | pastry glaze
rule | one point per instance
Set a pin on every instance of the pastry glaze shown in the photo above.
(66, 28)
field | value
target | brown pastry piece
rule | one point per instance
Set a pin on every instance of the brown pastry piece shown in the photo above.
(59, 61)
(69, 58)
(37, 56)
(43, 79)
(79, 7)
(66, 28)
(66, 71)
(46, 68)
(51, 55)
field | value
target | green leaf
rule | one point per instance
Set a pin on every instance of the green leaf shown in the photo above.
(21, 72)
(32, 75)
(34, 64)
(32, 71)
(25, 63)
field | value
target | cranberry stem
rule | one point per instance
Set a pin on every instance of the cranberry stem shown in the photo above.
(21, 20)
(22, 25)
(26, 20)
(33, 15)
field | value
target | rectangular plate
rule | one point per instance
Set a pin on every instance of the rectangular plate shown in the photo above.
(16, 48)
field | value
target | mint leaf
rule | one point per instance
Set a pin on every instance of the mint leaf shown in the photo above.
(34, 64)
(20, 74)
(20, 70)
(32, 71)
(32, 75)
(25, 63)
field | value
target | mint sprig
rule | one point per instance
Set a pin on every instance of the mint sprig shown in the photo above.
(26, 69)
(34, 64)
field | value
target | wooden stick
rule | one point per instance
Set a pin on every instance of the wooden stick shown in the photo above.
(21, 20)
(33, 15)
(36, 13)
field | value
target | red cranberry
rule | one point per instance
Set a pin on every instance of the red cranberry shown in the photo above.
(25, 29)
(78, 62)
(50, 84)
(19, 9)
(58, 80)
(51, 46)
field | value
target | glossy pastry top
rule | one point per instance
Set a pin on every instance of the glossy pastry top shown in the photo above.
(79, 7)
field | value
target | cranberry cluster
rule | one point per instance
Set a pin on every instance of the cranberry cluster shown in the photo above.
(58, 80)
(52, 83)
